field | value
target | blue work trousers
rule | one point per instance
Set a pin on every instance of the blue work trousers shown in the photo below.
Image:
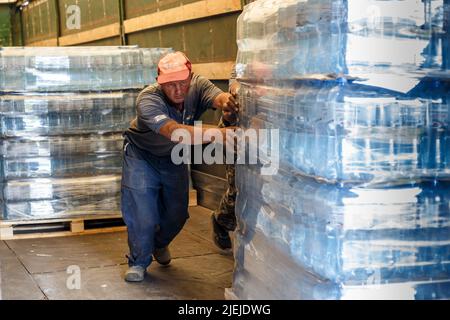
(154, 203)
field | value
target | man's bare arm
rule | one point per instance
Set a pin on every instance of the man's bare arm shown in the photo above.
(170, 126)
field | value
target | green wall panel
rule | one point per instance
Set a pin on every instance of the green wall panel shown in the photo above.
(25, 25)
(39, 21)
(16, 27)
(113, 41)
(199, 41)
(92, 14)
(5, 26)
(145, 39)
(224, 38)
(136, 8)
(204, 41)
(168, 4)
(172, 37)
(184, 2)
(28, 27)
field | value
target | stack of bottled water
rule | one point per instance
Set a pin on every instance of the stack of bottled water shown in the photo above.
(62, 114)
(76, 68)
(359, 91)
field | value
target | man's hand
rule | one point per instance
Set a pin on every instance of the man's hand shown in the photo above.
(227, 103)
(228, 114)
(234, 90)
(229, 117)
(230, 105)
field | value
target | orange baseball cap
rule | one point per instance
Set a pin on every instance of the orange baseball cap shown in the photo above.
(174, 66)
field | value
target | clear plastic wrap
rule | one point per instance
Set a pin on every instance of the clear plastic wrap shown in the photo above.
(359, 89)
(359, 207)
(48, 189)
(388, 44)
(43, 167)
(61, 114)
(62, 208)
(50, 69)
(59, 176)
(351, 234)
(61, 129)
(61, 146)
(57, 198)
(264, 272)
(352, 133)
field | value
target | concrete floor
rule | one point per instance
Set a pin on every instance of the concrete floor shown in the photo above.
(40, 268)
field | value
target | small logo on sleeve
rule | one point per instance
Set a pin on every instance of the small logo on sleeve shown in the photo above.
(159, 118)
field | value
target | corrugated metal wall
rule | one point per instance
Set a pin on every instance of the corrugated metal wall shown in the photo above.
(204, 29)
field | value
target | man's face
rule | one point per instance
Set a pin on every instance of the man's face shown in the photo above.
(176, 91)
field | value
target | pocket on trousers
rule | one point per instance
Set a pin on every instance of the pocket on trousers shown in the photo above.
(137, 173)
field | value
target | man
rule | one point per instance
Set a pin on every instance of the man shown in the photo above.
(155, 191)
(224, 218)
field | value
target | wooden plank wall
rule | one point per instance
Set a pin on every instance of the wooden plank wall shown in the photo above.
(204, 29)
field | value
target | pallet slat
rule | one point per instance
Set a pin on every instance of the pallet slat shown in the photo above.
(12, 230)
(32, 229)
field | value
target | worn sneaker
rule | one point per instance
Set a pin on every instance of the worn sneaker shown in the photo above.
(135, 274)
(221, 236)
(162, 255)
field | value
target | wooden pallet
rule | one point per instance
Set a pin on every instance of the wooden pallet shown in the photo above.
(77, 224)
(28, 229)
(192, 198)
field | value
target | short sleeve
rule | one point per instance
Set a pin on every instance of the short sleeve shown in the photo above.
(152, 112)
